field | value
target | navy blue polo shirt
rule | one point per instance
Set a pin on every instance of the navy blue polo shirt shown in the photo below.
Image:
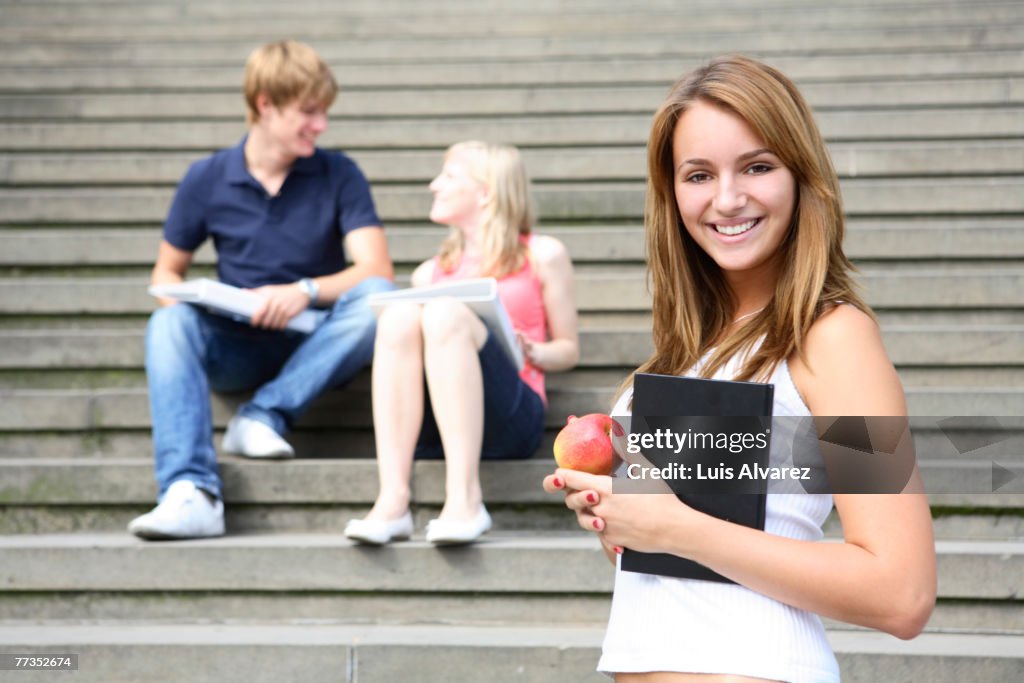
(264, 240)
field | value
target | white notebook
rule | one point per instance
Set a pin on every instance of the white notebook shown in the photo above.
(479, 294)
(230, 301)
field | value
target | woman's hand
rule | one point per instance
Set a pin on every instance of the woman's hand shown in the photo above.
(281, 304)
(556, 482)
(531, 350)
(647, 522)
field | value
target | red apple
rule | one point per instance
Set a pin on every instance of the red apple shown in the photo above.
(585, 444)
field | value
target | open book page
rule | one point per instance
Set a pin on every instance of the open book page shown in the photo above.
(230, 301)
(479, 294)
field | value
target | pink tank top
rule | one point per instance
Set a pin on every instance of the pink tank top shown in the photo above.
(521, 294)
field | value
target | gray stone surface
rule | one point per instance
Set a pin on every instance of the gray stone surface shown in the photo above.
(852, 159)
(566, 201)
(81, 481)
(113, 409)
(961, 122)
(907, 345)
(514, 24)
(454, 653)
(501, 563)
(598, 289)
(893, 239)
(492, 100)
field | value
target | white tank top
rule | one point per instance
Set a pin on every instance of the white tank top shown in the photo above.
(660, 623)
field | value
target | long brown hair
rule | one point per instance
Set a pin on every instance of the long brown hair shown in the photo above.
(508, 215)
(692, 304)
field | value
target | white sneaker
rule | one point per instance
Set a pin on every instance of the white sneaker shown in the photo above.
(185, 512)
(253, 439)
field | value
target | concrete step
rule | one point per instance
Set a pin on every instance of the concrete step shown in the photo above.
(563, 201)
(999, 91)
(892, 239)
(537, 652)
(773, 15)
(951, 288)
(163, 12)
(1002, 441)
(907, 346)
(893, 158)
(412, 62)
(590, 375)
(352, 481)
(366, 653)
(967, 380)
(979, 617)
(994, 520)
(60, 495)
(838, 52)
(331, 441)
(589, 320)
(542, 563)
(878, 124)
(62, 410)
(500, 23)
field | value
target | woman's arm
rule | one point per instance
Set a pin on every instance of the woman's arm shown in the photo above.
(882, 575)
(422, 275)
(554, 269)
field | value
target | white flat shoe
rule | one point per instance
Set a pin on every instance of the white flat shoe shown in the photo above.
(446, 532)
(375, 532)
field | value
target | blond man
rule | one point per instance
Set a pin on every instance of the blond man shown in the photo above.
(282, 214)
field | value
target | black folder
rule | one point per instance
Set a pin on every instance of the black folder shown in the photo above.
(682, 403)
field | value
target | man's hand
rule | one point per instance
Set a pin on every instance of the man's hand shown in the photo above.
(283, 302)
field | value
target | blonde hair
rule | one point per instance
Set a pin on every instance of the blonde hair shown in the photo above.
(692, 305)
(508, 214)
(286, 71)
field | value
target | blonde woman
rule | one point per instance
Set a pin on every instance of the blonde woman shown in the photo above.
(744, 234)
(474, 402)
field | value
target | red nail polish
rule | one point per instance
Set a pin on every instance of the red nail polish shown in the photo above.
(618, 550)
(591, 498)
(597, 524)
(557, 482)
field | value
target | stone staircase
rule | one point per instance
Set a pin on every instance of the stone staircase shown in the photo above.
(103, 105)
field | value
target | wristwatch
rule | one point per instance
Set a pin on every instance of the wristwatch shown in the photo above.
(310, 288)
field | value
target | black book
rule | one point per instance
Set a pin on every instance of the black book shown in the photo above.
(704, 410)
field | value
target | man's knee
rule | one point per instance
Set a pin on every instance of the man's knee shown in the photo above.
(371, 285)
(353, 308)
(171, 326)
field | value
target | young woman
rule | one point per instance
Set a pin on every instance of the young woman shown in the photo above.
(744, 233)
(480, 404)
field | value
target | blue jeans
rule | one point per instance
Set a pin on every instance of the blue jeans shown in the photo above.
(190, 351)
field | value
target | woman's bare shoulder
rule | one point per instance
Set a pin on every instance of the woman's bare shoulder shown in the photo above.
(845, 369)
(547, 249)
(841, 329)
